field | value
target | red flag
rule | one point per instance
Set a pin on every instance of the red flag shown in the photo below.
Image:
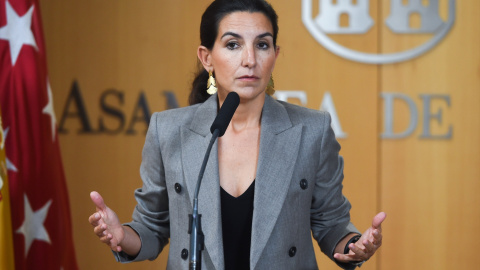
(42, 231)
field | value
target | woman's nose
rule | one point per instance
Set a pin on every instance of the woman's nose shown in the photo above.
(248, 57)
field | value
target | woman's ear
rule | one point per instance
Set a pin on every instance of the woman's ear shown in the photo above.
(277, 51)
(204, 55)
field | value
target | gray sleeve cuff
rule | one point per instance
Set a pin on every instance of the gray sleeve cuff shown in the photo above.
(150, 248)
(334, 236)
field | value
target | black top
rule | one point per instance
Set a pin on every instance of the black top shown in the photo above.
(237, 215)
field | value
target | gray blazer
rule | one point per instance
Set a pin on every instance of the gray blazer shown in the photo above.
(298, 188)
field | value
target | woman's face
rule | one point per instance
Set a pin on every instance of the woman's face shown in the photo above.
(243, 56)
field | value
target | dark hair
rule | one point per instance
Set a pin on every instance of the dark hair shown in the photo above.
(211, 18)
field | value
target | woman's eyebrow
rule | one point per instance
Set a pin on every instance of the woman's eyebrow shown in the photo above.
(231, 34)
(266, 34)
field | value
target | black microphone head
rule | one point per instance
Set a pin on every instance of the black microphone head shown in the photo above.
(225, 114)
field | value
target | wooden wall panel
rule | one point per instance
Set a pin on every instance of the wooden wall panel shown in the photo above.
(428, 186)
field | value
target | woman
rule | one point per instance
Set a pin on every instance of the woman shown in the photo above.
(276, 177)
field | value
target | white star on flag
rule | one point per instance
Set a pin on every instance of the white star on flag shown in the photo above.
(32, 228)
(18, 31)
(10, 165)
(49, 110)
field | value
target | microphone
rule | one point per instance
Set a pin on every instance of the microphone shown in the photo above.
(218, 129)
(226, 113)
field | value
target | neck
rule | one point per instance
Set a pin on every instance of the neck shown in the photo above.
(248, 114)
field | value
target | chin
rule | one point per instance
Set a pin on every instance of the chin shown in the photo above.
(246, 94)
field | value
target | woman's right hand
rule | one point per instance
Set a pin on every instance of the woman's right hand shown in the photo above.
(106, 224)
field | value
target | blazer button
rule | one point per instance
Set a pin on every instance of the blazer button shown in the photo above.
(184, 254)
(304, 184)
(292, 251)
(178, 188)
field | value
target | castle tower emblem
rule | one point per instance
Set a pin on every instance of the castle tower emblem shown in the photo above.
(359, 20)
(399, 18)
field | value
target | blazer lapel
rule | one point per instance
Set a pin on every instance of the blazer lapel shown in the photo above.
(195, 140)
(279, 145)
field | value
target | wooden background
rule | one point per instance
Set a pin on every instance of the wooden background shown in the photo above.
(426, 186)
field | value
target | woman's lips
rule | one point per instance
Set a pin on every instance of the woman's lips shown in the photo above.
(248, 78)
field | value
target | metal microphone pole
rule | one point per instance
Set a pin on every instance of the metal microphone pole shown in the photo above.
(197, 239)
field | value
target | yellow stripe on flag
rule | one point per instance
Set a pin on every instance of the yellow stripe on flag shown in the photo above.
(7, 260)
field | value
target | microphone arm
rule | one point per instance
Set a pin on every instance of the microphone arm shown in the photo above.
(218, 128)
(197, 239)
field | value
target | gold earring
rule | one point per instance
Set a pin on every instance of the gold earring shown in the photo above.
(211, 84)
(271, 86)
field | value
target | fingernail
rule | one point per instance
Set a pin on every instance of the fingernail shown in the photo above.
(97, 215)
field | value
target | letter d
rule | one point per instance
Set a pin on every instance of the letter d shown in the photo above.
(389, 119)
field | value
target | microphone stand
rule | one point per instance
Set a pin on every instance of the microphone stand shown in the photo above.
(197, 239)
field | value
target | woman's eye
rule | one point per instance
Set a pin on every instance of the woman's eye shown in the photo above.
(232, 45)
(263, 45)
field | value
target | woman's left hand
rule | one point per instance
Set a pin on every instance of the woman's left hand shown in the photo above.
(367, 245)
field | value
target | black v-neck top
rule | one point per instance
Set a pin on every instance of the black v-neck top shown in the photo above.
(237, 215)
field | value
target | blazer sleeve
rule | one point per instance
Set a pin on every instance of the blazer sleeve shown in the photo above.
(330, 211)
(150, 217)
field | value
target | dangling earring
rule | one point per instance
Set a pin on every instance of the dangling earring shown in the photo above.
(270, 87)
(211, 84)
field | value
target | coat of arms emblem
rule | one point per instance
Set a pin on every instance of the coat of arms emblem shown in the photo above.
(327, 22)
